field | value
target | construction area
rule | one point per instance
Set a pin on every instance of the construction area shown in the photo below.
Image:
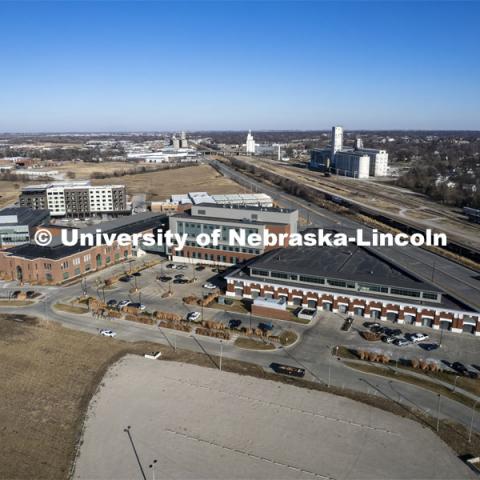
(176, 420)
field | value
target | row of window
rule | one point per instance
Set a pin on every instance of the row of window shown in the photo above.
(347, 284)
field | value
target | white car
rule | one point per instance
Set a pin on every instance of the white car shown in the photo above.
(209, 286)
(193, 316)
(107, 333)
(153, 355)
(418, 337)
(123, 303)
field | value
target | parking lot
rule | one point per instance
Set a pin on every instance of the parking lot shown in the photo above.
(192, 422)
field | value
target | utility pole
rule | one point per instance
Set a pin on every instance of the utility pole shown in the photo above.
(471, 421)
(438, 412)
(221, 354)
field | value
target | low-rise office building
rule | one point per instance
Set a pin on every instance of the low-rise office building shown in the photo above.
(18, 224)
(349, 280)
(56, 263)
(206, 218)
(75, 199)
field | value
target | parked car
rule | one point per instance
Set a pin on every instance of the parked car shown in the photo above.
(193, 316)
(140, 306)
(393, 332)
(181, 267)
(171, 266)
(401, 342)
(180, 280)
(164, 278)
(234, 323)
(112, 303)
(429, 346)
(418, 337)
(209, 286)
(377, 329)
(153, 355)
(200, 268)
(125, 278)
(265, 326)
(287, 369)
(107, 333)
(123, 303)
(31, 294)
(460, 368)
(388, 338)
(179, 275)
(371, 324)
(136, 274)
(347, 324)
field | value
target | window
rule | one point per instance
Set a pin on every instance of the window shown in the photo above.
(308, 279)
(262, 273)
(404, 292)
(430, 296)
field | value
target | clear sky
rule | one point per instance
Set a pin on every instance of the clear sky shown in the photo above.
(120, 66)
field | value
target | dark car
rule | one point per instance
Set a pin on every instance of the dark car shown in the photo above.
(234, 323)
(170, 265)
(136, 274)
(377, 329)
(287, 370)
(460, 368)
(179, 275)
(428, 346)
(393, 332)
(164, 278)
(266, 326)
(347, 324)
(200, 268)
(180, 281)
(125, 278)
(112, 303)
(31, 294)
(16, 294)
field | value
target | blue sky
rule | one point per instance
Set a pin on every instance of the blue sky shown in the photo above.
(111, 66)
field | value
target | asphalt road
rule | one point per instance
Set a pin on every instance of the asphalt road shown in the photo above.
(461, 282)
(311, 353)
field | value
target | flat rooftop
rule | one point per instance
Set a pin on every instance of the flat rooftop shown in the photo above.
(25, 215)
(56, 250)
(245, 207)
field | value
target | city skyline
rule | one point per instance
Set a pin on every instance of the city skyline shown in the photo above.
(233, 66)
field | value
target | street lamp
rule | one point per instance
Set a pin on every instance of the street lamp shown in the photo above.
(152, 466)
(221, 354)
(471, 421)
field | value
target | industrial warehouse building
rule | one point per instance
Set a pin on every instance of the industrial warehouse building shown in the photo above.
(57, 263)
(348, 280)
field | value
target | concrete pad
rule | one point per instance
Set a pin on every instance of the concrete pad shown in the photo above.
(201, 423)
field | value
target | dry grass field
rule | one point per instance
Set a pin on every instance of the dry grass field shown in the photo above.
(83, 171)
(160, 185)
(48, 376)
(9, 192)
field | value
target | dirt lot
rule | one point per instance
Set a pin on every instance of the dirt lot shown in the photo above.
(47, 378)
(162, 184)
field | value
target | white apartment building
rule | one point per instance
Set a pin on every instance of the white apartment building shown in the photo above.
(75, 199)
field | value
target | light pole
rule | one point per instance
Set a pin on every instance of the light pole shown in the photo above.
(455, 383)
(221, 354)
(438, 412)
(471, 421)
(152, 466)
